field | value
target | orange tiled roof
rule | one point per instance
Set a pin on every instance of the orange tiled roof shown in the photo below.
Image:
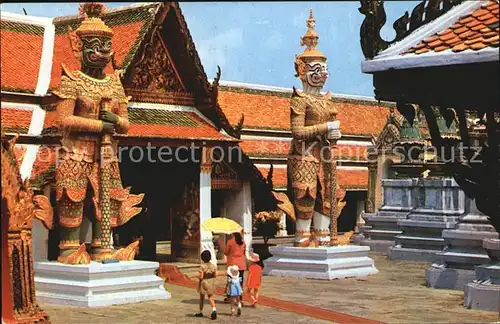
(475, 31)
(261, 111)
(20, 53)
(20, 69)
(272, 111)
(156, 123)
(281, 148)
(174, 124)
(15, 120)
(352, 178)
(279, 176)
(352, 152)
(346, 178)
(359, 119)
(256, 147)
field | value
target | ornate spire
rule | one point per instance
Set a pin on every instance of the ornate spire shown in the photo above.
(92, 25)
(310, 40)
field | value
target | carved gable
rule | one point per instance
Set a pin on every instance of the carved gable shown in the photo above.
(224, 177)
(155, 78)
(390, 134)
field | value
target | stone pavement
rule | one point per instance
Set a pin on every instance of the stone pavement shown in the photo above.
(178, 309)
(397, 294)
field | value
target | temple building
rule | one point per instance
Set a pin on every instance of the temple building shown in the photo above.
(217, 163)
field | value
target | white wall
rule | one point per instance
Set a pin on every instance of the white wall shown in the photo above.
(40, 236)
(238, 207)
(206, 237)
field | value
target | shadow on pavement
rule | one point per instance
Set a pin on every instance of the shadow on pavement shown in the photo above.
(191, 301)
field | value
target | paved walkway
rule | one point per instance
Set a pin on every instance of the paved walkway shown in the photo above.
(289, 306)
(179, 309)
(397, 294)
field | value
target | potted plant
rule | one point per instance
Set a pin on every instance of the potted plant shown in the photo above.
(267, 224)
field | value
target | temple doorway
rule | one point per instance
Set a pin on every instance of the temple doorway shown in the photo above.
(387, 171)
(164, 184)
(355, 201)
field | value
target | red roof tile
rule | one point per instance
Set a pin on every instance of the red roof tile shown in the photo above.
(352, 151)
(279, 177)
(15, 120)
(49, 121)
(358, 119)
(158, 123)
(352, 178)
(281, 148)
(272, 111)
(20, 53)
(253, 147)
(261, 111)
(197, 128)
(20, 72)
(474, 31)
(346, 178)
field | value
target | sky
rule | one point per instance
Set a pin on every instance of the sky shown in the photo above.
(256, 42)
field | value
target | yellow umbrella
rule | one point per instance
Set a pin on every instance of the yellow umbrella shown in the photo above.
(221, 225)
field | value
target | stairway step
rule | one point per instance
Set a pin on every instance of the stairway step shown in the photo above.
(419, 238)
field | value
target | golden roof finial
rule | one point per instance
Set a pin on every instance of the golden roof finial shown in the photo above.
(92, 25)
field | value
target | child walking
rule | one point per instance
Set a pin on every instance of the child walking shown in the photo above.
(254, 277)
(234, 288)
(206, 286)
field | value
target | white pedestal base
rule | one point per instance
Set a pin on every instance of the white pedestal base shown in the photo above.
(97, 284)
(326, 263)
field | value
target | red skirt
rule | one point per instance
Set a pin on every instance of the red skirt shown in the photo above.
(254, 276)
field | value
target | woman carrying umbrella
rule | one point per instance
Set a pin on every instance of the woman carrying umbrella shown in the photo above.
(235, 248)
(235, 252)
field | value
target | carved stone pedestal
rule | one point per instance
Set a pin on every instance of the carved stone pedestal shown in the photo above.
(381, 228)
(97, 284)
(484, 292)
(440, 203)
(463, 251)
(327, 263)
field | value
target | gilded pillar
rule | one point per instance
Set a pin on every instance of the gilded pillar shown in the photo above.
(372, 182)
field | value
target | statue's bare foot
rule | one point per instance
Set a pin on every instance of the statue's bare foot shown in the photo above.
(304, 243)
(79, 256)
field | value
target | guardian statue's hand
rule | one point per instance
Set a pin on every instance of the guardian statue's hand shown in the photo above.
(333, 130)
(108, 128)
(333, 125)
(334, 134)
(108, 116)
